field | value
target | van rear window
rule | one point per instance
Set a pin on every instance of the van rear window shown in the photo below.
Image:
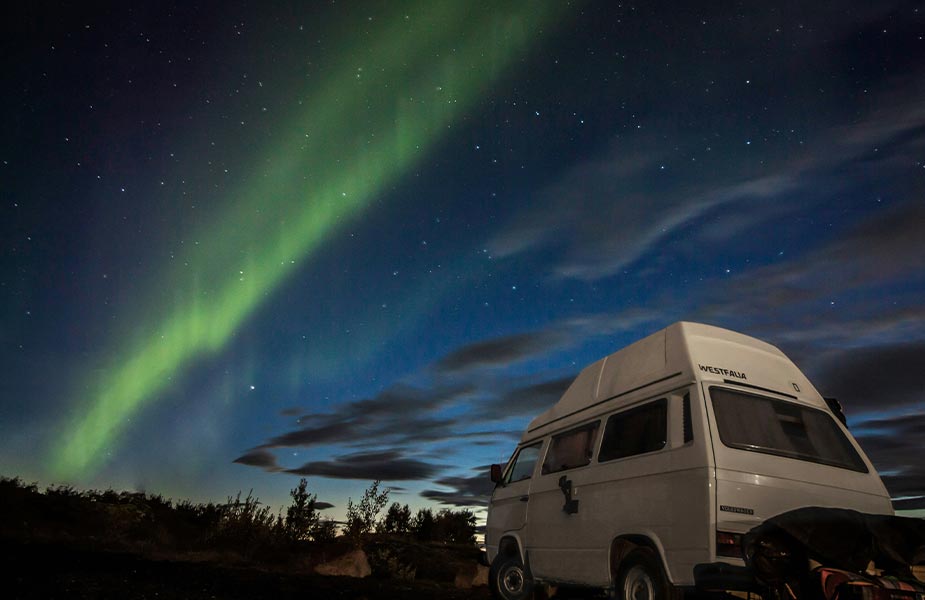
(761, 424)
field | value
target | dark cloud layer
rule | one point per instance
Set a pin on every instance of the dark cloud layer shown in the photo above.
(412, 416)
(388, 466)
(895, 446)
(876, 378)
(882, 251)
(471, 491)
(527, 400)
(500, 352)
(259, 458)
(400, 414)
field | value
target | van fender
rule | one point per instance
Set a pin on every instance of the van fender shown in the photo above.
(625, 543)
(510, 543)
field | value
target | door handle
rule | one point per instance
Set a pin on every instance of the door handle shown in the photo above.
(525, 498)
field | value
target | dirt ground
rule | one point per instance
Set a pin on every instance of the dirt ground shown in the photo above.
(47, 571)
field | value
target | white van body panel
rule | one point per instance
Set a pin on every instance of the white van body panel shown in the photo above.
(678, 496)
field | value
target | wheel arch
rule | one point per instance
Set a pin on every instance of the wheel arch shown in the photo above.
(509, 544)
(624, 544)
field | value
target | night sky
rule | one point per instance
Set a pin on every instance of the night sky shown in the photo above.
(245, 242)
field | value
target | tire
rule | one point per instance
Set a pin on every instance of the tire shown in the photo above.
(508, 579)
(641, 577)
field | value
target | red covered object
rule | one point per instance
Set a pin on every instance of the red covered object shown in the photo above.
(838, 584)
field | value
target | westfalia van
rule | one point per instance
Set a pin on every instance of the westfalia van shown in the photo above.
(644, 477)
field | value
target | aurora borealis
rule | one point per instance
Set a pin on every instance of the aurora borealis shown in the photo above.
(244, 244)
(322, 179)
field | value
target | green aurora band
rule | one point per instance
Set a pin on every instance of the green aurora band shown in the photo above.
(363, 130)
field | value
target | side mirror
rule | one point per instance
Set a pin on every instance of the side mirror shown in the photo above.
(496, 473)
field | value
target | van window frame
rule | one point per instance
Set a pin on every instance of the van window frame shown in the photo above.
(861, 464)
(663, 401)
(592, 445)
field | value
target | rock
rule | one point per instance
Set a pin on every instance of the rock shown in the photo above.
(473, 575)
(352, 564)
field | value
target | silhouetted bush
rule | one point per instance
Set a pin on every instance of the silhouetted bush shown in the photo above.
(62, 491)
(142, 522)
(244, 526)
(325, 530)
(362, 517)
(397, 519)
(456, 526)
(301, 516)
(423, 524)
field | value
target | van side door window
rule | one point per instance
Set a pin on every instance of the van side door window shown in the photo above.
(523, 463)
(635, 431)
(571, 449)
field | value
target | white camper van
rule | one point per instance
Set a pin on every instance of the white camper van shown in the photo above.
(658, 458)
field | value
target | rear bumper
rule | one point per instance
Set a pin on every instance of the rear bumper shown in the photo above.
(723, 576)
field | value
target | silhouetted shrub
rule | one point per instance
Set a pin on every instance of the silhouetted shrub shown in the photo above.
(456, 526)
(397, 519)
(423, 524)
(301, 516)
(446, 526)
(16, 486)
(61, 491)
(362, 517)
(244, 526)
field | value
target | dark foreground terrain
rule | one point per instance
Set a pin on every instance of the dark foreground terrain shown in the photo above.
(48, 571)
(65, 543)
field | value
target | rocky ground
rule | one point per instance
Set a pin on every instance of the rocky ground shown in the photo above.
(50, 571)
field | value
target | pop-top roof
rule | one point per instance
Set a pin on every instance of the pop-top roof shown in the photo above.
(679, 353)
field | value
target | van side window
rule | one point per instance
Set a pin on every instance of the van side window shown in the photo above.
(522, 467)
(635, 431)
(571, 449)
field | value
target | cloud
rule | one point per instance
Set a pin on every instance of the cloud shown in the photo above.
(389, 465)
(334, 431)
(505, 351)
(602, 216)
(465, 396)
(622, 221)
(876, 378)
(259, 458)
(895, 445)
(526, 400)
(909, 504)
(323, 505)
(399, 414)
(858, 291)
(471, 491)
(912, 425)
(884, 249)
(499, 352)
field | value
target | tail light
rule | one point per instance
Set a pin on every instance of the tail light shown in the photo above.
(729, 544)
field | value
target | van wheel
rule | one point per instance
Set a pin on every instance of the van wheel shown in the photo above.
(642, 578)
(508, 579)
